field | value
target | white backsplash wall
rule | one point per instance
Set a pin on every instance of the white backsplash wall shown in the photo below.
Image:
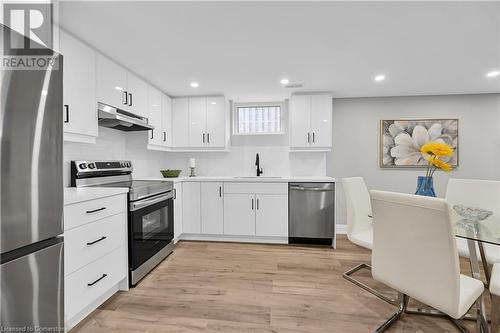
(275, 158)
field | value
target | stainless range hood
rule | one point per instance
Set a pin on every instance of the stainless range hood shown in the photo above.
(112, 117)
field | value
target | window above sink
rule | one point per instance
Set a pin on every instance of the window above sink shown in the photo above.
(258, 118)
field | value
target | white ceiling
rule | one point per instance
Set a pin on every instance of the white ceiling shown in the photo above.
(243, 49)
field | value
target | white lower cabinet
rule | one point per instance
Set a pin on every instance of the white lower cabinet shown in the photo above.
(95, 254)
(239, 214)
(271, 215)
(191, 208)
(212, 208)
(177, 211)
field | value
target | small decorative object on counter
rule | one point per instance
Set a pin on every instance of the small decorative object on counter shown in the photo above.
(437, 154)
(192, 166)
(170, 173)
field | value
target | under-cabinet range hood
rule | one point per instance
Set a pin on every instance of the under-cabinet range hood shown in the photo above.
(112, 117)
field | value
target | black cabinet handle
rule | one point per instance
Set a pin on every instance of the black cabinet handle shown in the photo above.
(313, 137)
(152, 131)
(66, 110)
(203, 137)
(252, 204)
(99, 279)
(208, 137)
(97, 241)
(126, 97)
(164, 136)
(308, 137)
(220, 191)
(257, 204)
(175, 194)
(95, 210)
(130, 100)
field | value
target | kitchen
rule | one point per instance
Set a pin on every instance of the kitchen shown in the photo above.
(195, 178)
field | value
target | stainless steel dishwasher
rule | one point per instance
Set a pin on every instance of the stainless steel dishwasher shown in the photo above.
(311, 213)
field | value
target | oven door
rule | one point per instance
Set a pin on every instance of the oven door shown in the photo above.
(151, 227)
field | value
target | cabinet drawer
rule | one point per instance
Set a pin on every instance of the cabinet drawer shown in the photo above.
(92, 241)
(248, 188)
(87, 284)
(88, 211)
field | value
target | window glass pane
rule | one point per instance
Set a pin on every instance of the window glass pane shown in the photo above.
(257, 119)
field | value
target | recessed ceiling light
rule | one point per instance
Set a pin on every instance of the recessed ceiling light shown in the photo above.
(213, 103)
(493, 74)
(379, 78)
(194, 84)
(118, 88)
(285, 81)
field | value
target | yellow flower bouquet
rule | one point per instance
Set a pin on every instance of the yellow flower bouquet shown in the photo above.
(435, 153)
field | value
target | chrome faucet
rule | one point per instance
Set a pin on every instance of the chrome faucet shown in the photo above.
(257, 164)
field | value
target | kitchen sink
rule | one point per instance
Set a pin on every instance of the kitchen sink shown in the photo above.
(260, 177)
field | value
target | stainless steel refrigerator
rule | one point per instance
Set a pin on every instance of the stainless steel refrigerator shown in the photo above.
(31, 193)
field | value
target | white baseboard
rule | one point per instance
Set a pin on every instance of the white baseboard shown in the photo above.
(341, 229)
(240, 239)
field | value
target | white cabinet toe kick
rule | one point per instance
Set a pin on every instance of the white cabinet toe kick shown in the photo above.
(233, 212)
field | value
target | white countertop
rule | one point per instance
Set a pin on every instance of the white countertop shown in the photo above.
(73, 195)
(262, 179)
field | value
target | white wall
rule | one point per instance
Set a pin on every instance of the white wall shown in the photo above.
(356, 140)
(239, 161)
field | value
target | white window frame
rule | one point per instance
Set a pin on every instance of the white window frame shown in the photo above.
(235, 117)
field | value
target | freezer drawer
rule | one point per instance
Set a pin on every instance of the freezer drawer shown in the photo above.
(33, 291)
(311, 212)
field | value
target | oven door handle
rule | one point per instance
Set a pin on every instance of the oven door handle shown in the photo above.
(151, 201)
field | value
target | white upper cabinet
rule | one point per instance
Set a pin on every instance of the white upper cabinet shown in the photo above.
(167, 120)
(206, 123)
(311, 121)
(212, 208)
(137, 91)
(80, 108)
(216, 122)
(111, 83)
(197, 121)
(180, 122)
(155, 116)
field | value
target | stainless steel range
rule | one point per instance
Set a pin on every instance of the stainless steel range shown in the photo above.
(150, 211)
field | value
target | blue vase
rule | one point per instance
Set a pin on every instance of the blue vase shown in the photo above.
(425, 186)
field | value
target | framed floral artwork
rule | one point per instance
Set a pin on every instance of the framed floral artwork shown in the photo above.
(401, 139)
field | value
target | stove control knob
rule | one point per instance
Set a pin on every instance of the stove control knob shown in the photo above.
(91, 165)
(123, 164)
(82, 166)
(129, 164)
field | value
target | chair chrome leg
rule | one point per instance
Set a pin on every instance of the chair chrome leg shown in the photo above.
(347, 276)
(495, 314)
(401, 310)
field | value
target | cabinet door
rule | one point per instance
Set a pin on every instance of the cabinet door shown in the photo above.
(180, 122)
(155, 116)
(271, 215)
(166, 104)
(177, 210)
(197, 121)
(212, 208)
(239, 214)
(138, 95)
(300, 121)
(191, 209)
(111, 83)
(80, 108)
(321, 120)
(216, 122)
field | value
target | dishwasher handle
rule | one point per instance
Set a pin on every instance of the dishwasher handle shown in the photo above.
(317, 189)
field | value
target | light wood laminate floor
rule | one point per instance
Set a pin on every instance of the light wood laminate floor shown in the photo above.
(234, 287)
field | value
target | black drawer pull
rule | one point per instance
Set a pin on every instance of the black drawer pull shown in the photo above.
(99, 279)
(66, 109)
(97, 241)
(95, 210)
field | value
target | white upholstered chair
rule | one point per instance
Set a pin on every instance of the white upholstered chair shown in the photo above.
(414, 252)
(359, 226)
(495, 297)
(475, 193)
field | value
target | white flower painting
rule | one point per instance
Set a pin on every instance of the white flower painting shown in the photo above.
(400, 140)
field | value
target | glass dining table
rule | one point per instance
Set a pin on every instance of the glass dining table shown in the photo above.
(483, 240)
